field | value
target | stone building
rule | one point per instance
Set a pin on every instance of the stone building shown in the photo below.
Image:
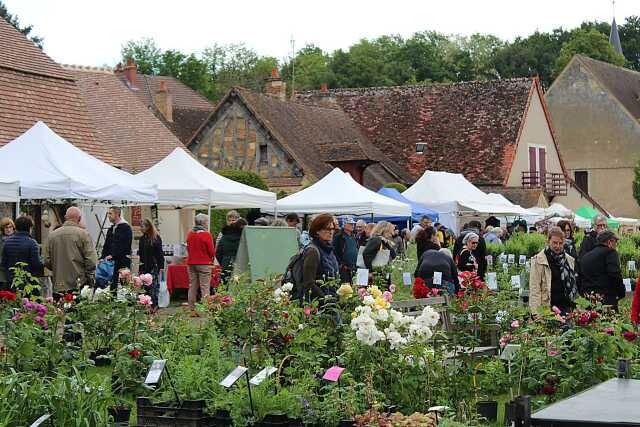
(288, 144)
(497, 133)
(595, 108)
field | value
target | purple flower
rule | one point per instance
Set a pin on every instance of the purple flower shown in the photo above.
(41, 309)
(42, 322)
(17, 316)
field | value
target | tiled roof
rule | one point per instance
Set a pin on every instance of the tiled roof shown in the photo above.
(190, 109)
(19, 53)
(469, 128)
(315, 137)
(525, 197)
(33, 87)
(622, 83)
(124, 125)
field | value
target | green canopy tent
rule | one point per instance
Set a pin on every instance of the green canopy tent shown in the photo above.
(589, 212)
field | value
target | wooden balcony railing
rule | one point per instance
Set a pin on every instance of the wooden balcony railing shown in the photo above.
(553, 184)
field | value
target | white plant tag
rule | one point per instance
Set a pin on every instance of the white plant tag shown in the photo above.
(437, 278)
(512, 259)
(505, 267)
(492, 281)
(627, 284)
(230, 379)
(515, 281)
(522, 260)
(489, 260)
(631, 266)
(362, 277)
(406, 278)
(262, 375)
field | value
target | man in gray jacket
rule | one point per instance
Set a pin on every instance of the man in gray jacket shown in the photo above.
(70, 254)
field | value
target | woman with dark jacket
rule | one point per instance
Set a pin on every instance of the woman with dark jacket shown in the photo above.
(433, 260)
(151, 258)
(569, 241)
(426, 238)
(466, 261)
(380, 240)
(227, 248)
(319, 261)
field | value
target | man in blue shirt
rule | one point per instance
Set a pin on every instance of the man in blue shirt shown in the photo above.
(20, 247)
(345, 247)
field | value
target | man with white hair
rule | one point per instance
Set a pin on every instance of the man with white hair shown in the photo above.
(590, 240)
(201, 253)
(70, 254)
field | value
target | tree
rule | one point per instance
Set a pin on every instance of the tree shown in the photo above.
(145, 53)
(363, 65)
(590, 43)
(636, 183)
(630, 40)
(189, 69)
(311, 69)
(15, 22)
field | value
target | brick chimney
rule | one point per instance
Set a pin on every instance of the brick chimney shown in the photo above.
(275, 86)
(164, 102)
(131, 74)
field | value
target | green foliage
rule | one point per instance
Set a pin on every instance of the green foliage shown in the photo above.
(398, 186)
(15, 22)
(145, 53)
(636, 183)
(311, 69)
(630, 41)
(591, 43)
(527, 244)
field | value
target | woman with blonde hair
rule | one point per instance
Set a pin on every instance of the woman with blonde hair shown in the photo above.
(7, 228)
(380, 240)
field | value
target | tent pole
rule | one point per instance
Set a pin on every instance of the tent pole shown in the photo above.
(17, 207)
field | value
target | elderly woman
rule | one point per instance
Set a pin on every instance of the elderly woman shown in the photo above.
(200, 252)
(553, 279)
(319, 262)
(465, 260)
(380, 240)
(569, 241)
(7, 228)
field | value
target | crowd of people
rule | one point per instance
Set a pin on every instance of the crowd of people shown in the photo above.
(331, 251)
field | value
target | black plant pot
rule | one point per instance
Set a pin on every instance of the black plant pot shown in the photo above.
(270, 420)
(295, 422)
(222, 418)
(100, 361)
(488, 410)
(346, 423)
(120, 414)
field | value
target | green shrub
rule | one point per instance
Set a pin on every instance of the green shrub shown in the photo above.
(519, 244)
(398, 186)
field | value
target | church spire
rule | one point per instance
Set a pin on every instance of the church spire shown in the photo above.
(614, 37)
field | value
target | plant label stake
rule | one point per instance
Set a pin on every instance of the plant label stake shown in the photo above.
(503, 258)
(489, 259)
(511, 259)
(627, 284)
(522, 260)
(406, 279)
(492, 281)
(231, 379)
(40, 420)
(155, 372)
(262, 375)
(362, 277)
(505, 267)
(333, 374)
(515, 281)
(631, 265)
(246, 375)
(437, 278)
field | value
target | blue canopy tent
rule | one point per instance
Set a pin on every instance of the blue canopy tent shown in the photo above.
(417, 210)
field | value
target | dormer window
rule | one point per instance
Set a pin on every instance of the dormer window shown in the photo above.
(420, 147)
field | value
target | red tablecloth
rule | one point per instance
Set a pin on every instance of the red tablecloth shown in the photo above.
(178, 276)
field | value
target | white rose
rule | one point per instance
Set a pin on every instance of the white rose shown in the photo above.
(287, 287)
(369, 300)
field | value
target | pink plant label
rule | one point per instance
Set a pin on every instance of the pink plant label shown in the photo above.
(333, 373)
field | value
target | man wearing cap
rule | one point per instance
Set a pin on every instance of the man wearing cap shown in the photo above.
(345, 247)
(600, 270)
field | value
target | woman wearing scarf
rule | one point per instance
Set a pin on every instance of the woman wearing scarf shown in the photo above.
(569, 240)
(553, 279)
(320, 262)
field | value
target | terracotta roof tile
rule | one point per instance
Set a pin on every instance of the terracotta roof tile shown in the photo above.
(19, 53)
(123, 124)
(468, 128)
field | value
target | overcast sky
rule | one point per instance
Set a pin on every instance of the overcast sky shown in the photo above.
(91, 32)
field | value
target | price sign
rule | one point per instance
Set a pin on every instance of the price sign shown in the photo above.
(522, 260)
(489, 260)
(437, 278)
(505, 267)
(406, 279)
(333, 373)
(262, 375)
(362, 277)
(515, 281)
(231, 379)
(631, 266)
(503, 258)
(512, 259)
(627, 284)
(492, 281)
(155, 372)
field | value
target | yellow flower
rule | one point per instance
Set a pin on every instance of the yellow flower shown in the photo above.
(381, 303)
(345, 291)
(354, 315)
(375, 292)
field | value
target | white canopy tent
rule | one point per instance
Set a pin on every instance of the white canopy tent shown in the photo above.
(49, 167)
(9, 189)
(183, 181)
(532, 215)
(453, 197)
(340, 194)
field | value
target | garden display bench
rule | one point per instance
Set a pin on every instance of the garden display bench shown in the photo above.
(439, 304)
(611, 403)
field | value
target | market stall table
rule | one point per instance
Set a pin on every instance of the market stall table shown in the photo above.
(612, 403)
(178, 276)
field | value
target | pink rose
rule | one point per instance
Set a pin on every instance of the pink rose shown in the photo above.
(147, 279)
(144, 299)
(556, 310)
(227, 299)
(392, 288)
(125, 273)
(137, 282)
(388, 296)
(307, 311)
(362, 292)
(515, 324)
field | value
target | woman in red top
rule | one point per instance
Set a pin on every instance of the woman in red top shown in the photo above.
(635, 306)
(200, 256)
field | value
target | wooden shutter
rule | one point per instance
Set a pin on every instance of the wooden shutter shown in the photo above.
(542, 163)
(532, 164)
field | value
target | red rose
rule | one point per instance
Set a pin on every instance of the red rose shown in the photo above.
(418, 281)
(594, 315)
(548, 390)
(285, 314)
(8, 295)
(629, 336)
(135, 353)
(599, 359)
(287, 339)
(68, 297)
(460, 294)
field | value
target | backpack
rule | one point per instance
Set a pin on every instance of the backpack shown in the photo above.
(293, 273)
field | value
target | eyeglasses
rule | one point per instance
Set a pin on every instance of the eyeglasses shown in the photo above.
(601, 225)
(473, 243)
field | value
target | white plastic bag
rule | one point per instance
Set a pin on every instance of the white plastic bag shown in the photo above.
(163, 294)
